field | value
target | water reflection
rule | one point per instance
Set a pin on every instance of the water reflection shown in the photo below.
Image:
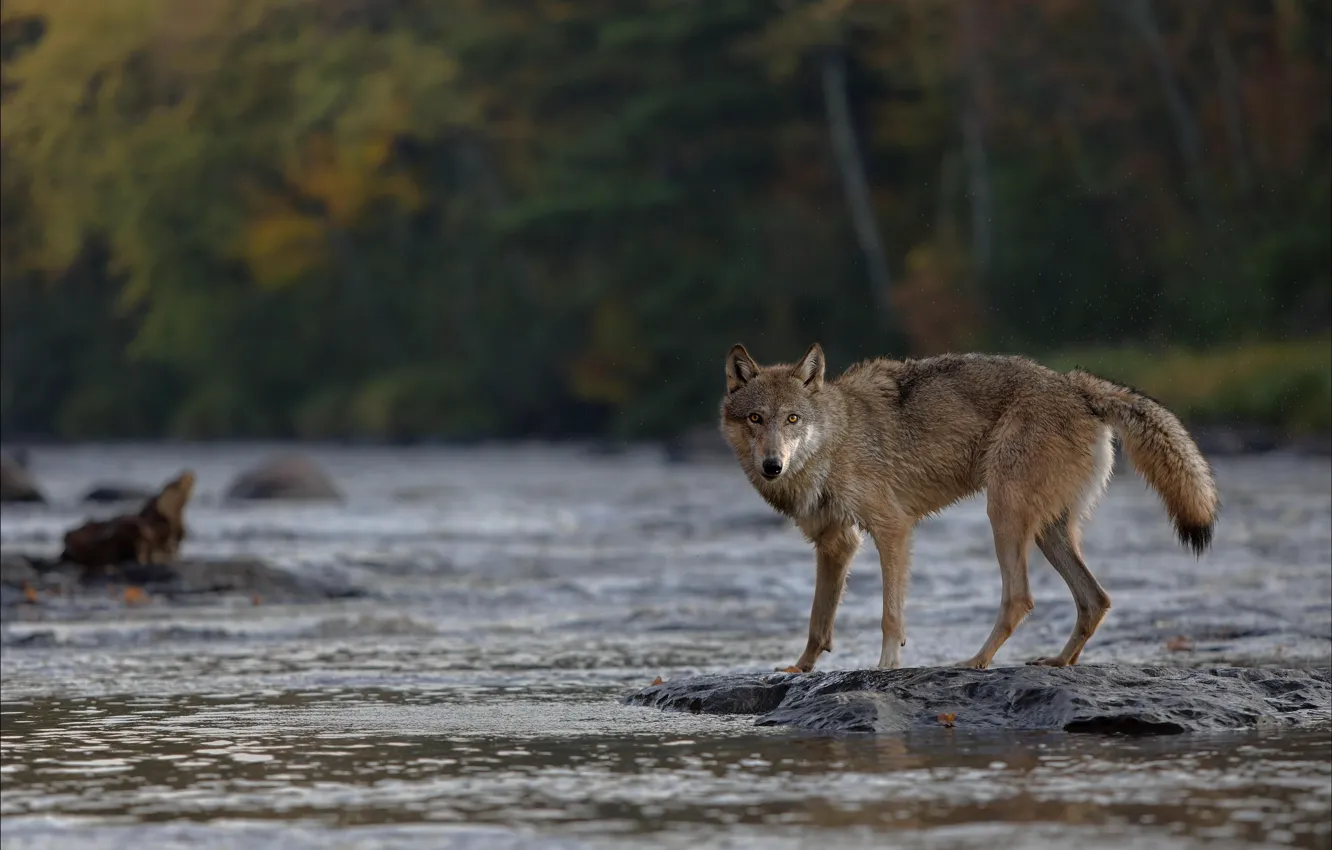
(290, 757)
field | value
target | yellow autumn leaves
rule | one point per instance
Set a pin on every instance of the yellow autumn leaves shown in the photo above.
(329, 187)
(117, 104)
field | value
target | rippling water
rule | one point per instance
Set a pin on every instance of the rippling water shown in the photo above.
(471, 700)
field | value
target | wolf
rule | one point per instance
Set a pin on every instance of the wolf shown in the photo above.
(890, 442)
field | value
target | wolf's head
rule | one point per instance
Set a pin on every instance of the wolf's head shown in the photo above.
(771, 415)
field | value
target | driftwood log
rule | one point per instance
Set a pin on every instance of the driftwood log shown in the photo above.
(152, 536)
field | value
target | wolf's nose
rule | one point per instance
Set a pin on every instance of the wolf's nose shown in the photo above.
(772, 467)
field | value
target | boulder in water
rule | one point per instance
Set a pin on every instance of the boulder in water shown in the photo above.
(1084, 698)
(111, 493)
(290, 477)
(66, 590)
(16, 484)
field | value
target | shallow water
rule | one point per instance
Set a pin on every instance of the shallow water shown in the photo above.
(472, 699)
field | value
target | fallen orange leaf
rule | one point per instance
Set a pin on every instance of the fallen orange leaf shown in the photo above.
(1179, 643)
(135, 596)
(29, 593)
(947, 718)
(792, 669)
(656, 681)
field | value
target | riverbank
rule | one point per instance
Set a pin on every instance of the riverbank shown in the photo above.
(1281, 392)
(1245, 399)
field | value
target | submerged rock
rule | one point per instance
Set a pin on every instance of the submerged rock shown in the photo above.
(242, 577)
(69, 590)
(1086, 698)
(17, 575)
(16, 484)
(111, 493)
(293, 477)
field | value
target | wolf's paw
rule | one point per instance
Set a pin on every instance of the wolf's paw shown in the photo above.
(1048, 661)
(891, 656)
(976, 663)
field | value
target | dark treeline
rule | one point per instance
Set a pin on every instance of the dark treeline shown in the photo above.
(399, 218)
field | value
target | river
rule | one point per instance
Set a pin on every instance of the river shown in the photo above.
(471, 698)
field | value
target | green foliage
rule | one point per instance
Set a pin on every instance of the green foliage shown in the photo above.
(405, 219)
(1286, 385)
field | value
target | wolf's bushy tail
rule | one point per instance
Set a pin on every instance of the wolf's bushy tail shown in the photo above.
(1161, 450)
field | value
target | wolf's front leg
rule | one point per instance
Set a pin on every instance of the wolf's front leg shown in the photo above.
(834, 547)
(893, 540)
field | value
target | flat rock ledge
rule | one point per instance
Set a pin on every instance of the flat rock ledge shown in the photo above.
(1103, 699)
(66, 590)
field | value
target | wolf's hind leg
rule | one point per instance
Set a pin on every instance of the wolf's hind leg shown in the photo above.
(1041, 465)
(1012, 538)
(1058, 542)
(835, 546)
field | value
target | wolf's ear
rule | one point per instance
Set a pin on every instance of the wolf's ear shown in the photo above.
(740, 368)
(810, 368)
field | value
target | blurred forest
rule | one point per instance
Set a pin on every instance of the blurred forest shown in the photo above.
(454, 218)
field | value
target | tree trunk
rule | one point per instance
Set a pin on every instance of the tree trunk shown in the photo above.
(1143, 18)
(973, 139)
(1228, 80)
(481, 174)
(846, 153)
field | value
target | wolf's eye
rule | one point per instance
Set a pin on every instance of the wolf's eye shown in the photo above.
(755, 418)
(793, 419)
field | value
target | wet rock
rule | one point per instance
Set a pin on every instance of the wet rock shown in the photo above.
(291, 477)
(114, 493)
(16, 484)
(1086, 698)
(16, 569)
(68, 590)
(237, 577)
(152, 535)
(33, 640)
(17, 574)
